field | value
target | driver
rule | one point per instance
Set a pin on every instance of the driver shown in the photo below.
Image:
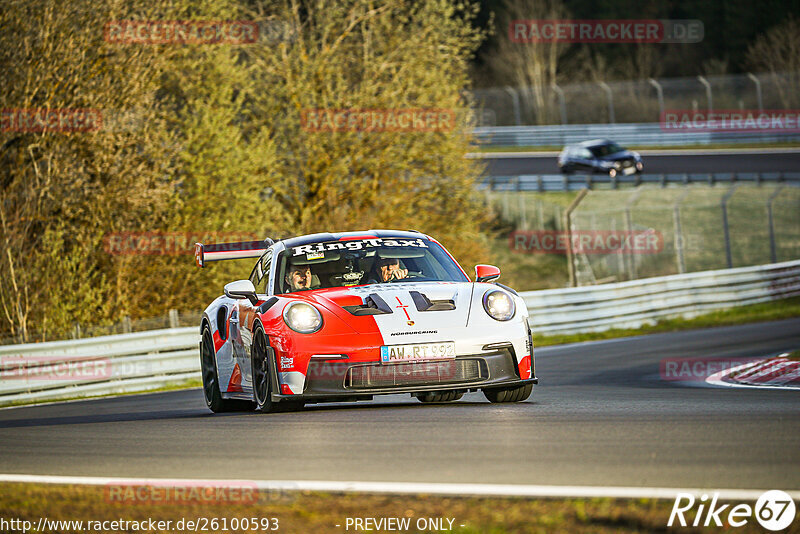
(298, 278)
(387, 269)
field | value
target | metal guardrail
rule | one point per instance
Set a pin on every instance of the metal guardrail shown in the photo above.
(98, 366)
(639, 134)
(542, 183)
(148, 360)
(638, 302)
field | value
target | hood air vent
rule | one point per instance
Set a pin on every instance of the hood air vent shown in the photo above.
(423, 303)
(373, 305)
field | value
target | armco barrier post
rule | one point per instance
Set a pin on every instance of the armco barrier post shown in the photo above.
(620, 256)
(660, 93)
(562, 102)
(773, 252)
(629, 225)
(522, 202)
(676, 218)
(573, 281)
(515, 103)
(610, 96)
(709, 97)
(758, 90)
(725, 227)
(539, 212)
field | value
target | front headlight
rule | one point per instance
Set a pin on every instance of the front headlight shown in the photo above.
(499, 305)
(302, 317)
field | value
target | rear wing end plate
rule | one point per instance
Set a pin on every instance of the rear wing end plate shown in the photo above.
(229, 251)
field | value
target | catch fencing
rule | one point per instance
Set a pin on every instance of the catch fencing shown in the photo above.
(698, 227)
(148, 360)
(547, 183)
(616, 103)
(627, 134)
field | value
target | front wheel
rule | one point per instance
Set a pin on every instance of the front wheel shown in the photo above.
(515, 394)
(262, 370)
(262, 362)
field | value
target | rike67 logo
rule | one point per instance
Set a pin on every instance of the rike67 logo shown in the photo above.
(774, 510)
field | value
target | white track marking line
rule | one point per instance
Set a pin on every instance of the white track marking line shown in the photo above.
(404, 488)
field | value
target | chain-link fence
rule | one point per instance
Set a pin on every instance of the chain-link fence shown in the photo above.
(652, 231)
(636, 101)
(696, 228)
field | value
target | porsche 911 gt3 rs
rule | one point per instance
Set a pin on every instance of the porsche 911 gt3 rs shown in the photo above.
(346, 316)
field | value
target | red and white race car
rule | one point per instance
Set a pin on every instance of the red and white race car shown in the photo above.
(343, 317)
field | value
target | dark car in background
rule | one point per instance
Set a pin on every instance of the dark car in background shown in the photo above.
(599, 155)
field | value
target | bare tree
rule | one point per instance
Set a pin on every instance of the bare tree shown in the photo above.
(778, 53)
(533, 66)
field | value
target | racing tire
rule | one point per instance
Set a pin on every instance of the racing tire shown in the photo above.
(439, 396)
(261, 365)
(515, 394)
(211, 393)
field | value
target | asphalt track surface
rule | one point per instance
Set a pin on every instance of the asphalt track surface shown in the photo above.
(661, 163)
(601, 416)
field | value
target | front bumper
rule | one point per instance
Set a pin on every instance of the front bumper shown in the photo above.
(338, 380)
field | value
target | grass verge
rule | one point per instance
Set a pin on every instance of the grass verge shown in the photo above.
(754, 313)
(322, 512)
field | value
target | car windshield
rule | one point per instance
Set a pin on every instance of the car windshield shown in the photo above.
(605, 150)
(360, 261)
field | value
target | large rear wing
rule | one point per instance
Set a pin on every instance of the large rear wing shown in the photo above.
(229, 251)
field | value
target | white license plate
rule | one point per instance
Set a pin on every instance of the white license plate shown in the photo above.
(629, 170)
(417, 352)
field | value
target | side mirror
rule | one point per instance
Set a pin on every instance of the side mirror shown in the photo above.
(486, 273)
(241, 289)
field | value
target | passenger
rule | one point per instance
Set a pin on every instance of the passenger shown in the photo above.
(299, 278)
(386, 269)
